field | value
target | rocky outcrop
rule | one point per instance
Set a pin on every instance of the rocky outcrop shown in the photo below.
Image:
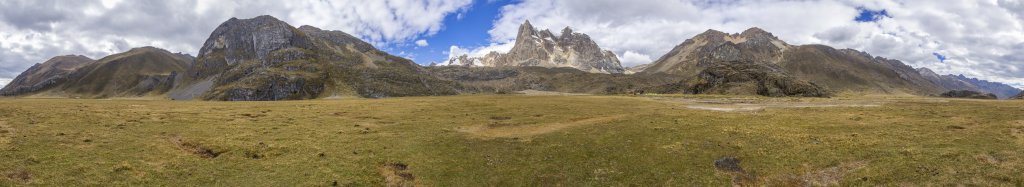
(1018, 96)
(41, 77)
(263, 58)
(544, 49)
(961, 82)
(747, 78)
(968, 94)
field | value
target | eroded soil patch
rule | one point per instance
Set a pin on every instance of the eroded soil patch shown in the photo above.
(396, 175)
(195, 148)
(521, 131)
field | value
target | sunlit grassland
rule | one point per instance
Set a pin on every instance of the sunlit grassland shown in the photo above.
(508, 140)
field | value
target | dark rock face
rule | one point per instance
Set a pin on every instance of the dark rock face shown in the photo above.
(542, 48)
(236, 41)
(44, 76)
(1018, 96)
(752, 78)
(968, 94)
(266, 59)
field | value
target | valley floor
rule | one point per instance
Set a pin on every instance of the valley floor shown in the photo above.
(514, 140)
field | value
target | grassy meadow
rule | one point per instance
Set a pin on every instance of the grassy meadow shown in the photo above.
(514, 140)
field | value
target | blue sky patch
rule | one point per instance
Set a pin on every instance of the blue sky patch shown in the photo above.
(868, 15)
(942, 58)
(467, 28)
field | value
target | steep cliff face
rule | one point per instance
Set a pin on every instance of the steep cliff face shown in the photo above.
(264, 58)
(831, 69)
(544, 49)
(44, 76)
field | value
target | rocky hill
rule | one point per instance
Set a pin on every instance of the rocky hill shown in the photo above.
(813, 68)
(44, 76)
(263, 58)
(1018, 96)
(544, 49)
(138, 72)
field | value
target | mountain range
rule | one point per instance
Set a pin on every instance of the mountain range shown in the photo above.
(263, 58)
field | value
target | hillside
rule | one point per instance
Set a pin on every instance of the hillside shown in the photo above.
(263, 58)
(813, 66)
(137, 72)
(559, 79)
(145, 71)
(44, 76)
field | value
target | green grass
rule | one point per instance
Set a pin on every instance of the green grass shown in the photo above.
(646, 142)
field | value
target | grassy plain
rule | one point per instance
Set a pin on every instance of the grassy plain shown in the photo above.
(513, 140)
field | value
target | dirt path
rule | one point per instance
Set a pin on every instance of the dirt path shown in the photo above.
(524, 131)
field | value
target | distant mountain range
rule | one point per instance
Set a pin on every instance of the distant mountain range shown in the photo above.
(263, 58)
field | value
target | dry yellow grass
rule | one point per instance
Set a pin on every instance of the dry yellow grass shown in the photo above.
(479, 141)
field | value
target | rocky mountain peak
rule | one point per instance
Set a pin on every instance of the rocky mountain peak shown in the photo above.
(566, 32)
(710, 34)
(526, 29)
(544, 49)
(755, 32)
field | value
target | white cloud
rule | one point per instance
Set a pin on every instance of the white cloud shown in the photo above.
(630, 59)
(4, 82)
(33, 31)
(422, 43)
(981, 39)
(503, 47)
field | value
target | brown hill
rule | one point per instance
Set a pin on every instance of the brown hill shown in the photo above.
(44, 76)
(137, 72)
(814, 67)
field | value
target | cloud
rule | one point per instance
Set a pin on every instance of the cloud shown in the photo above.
(4, 82)
(502, 47)
(33, 31)
(422, 43)
(981, 39)
(630, 59)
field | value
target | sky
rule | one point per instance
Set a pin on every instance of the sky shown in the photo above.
(976, 38)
